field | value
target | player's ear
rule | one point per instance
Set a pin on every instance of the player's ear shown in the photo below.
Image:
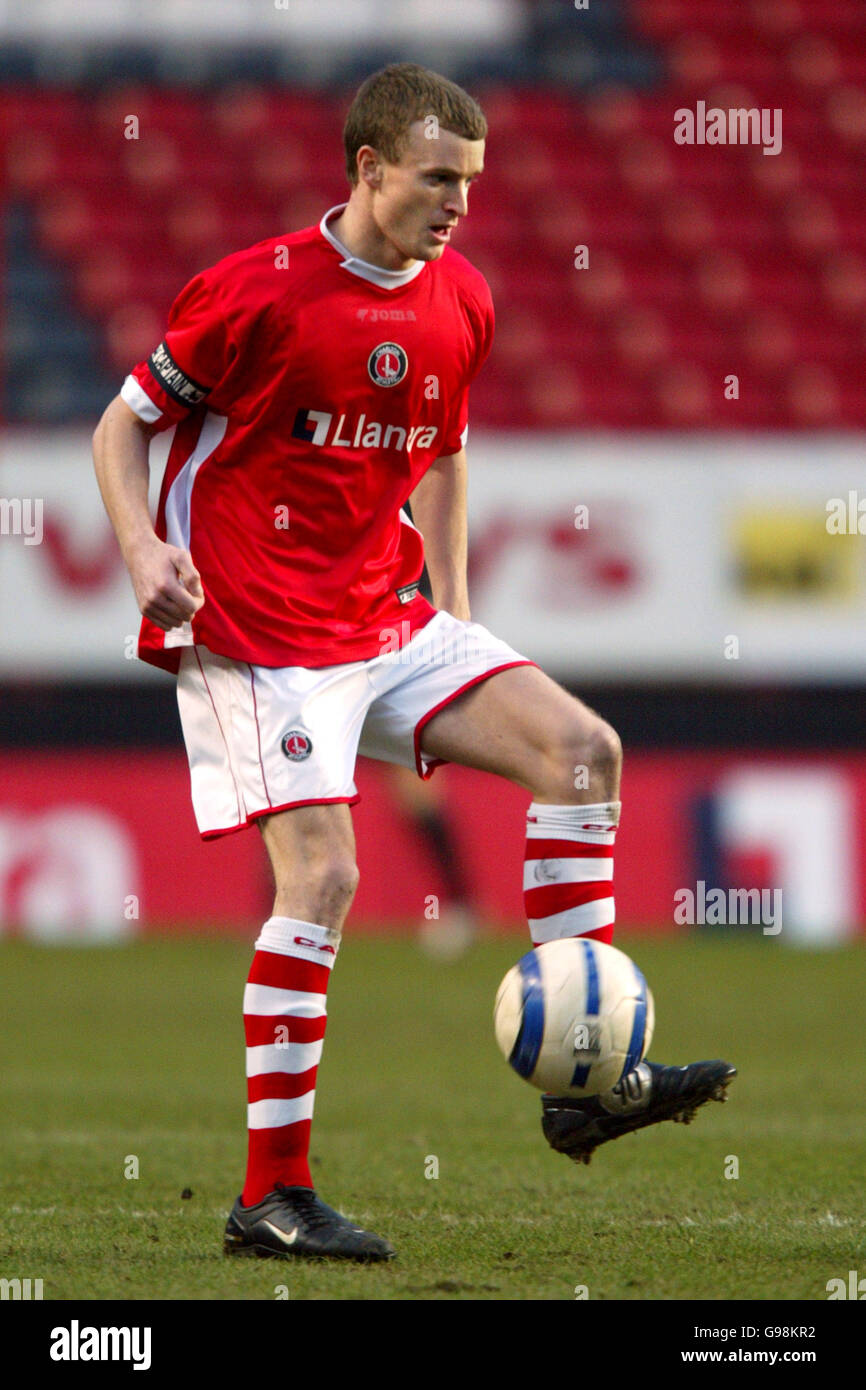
(369, 166)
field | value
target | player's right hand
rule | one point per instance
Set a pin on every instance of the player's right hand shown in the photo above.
(166, 582)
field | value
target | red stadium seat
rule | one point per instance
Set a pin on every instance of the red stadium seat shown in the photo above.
(843, 285)
(812, 395)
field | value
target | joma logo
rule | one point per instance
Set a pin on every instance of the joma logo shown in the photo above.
(393, 315)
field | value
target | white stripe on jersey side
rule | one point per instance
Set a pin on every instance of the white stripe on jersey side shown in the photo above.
(268, 1002)
(292, 1058)
(138, 400)
(177, 503)
(270, 1114)
(566, 871)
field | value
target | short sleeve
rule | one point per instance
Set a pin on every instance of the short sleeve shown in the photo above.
(194, 358)
(458, 428)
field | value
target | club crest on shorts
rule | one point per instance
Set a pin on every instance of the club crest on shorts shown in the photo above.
(296, 745)
(387, 364)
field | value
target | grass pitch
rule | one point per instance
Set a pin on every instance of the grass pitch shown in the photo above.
(125, 1059)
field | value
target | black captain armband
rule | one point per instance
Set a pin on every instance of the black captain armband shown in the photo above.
(173, 381)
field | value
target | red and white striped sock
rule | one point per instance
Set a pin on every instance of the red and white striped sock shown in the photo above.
(284, 1023)
(568, 871)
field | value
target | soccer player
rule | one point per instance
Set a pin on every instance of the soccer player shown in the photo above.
(317, 382)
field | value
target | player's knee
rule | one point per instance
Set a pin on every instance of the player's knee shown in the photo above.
(593, 756)
(604, 751)
(317, 887)
(333, 880)
(344, 879)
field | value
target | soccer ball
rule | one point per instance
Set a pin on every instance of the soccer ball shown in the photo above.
(574, 1016)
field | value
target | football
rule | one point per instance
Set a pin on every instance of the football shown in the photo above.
(574, 1016)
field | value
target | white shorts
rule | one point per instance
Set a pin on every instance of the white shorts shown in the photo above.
(262, 739)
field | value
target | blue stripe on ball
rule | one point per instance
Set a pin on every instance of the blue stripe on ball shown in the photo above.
(593, 993)
(527, 1044)
(638, 1031)
(581, 1072)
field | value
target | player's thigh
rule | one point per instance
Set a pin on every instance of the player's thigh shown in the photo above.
(520, 724)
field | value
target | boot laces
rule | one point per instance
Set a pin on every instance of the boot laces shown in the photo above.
(307, 1204)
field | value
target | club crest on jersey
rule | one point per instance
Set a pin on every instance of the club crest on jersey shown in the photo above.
(387, 364)
(296, 745)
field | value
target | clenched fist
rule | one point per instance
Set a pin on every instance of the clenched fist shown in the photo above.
(166, 582)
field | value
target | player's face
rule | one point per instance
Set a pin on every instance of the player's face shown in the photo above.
(420, 199)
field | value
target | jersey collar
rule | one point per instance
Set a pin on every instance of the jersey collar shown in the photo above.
(385, 279)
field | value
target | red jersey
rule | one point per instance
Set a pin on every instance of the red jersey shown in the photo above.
(311, 391)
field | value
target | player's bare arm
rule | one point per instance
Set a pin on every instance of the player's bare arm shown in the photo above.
(439, 511)
(166, 583)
